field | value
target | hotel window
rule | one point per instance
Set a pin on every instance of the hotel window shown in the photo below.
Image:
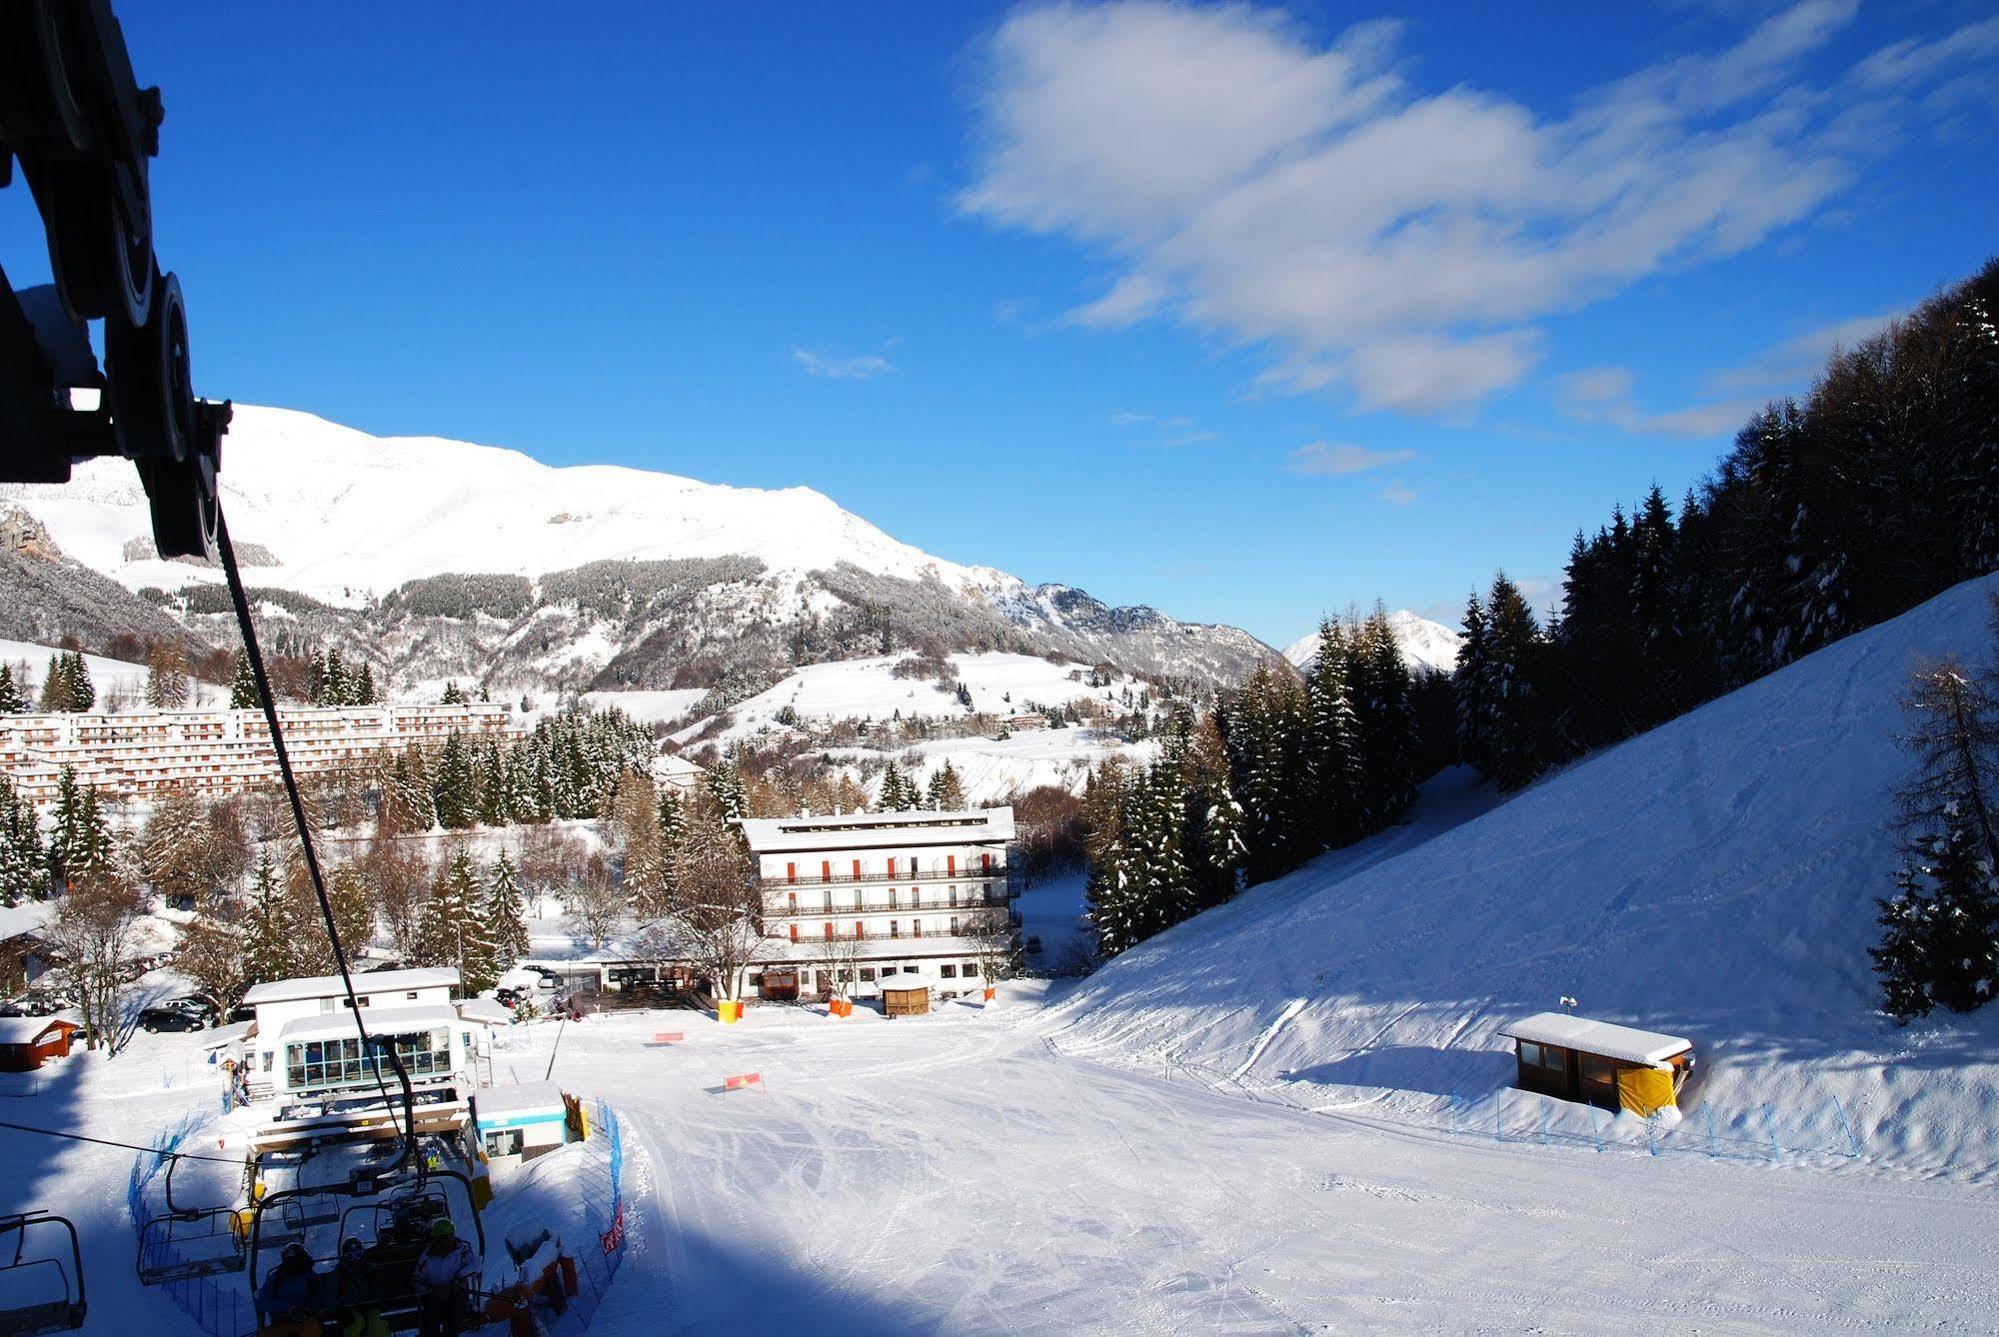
(954, 895)
(948, 971)
(895, 928)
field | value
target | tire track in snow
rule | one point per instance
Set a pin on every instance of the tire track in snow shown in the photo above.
(1291, 1009)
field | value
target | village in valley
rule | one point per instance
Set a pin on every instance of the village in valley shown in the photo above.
(1532, 865)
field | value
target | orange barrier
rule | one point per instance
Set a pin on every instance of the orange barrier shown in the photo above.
(729, 1011)
(839, 1007)
(742, 1081)
(991, 993)
(668, 1038)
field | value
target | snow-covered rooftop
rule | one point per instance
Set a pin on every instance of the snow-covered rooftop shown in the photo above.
(519, 1098)
(329, 986)
(868, 830)
(486, 1012)
(27, 1030)
(388, 1021)
(27, 917)
(1598, 1037)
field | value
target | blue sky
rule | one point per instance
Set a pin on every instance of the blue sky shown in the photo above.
(1242, 312)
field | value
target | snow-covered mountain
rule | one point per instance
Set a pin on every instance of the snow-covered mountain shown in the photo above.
(1425, 644)
(441, 558)
(1715, 878)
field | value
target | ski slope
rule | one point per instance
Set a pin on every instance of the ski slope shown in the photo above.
(119, 683)
(1715, 878)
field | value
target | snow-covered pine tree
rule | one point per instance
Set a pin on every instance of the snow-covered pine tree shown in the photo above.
(725, 784)
(1386, 725)
(947, 789)
(1940, 930)
(495, 793)
(24, 867)
(452, 784)
(1106, 892)
(364, 686)
(894, 793)
(243, 685)
(352, 897)
(80, 845)
(453, 694)
(12, 699)
(267, 925)
(506, 914)
(1333, 761)
(82, 692)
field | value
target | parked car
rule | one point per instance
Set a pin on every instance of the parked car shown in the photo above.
(506, 997)
(168, 1019)
(37, 1005)
(195, 1005)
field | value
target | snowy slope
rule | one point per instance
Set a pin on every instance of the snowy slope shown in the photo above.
(999, 684)
(1424, 643)
(1714, 878)
(119, 683)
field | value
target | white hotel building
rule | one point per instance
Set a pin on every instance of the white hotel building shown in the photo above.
(142, 754)
(911, 895)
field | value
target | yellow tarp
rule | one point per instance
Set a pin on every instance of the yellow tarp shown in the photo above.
(1645, 1091)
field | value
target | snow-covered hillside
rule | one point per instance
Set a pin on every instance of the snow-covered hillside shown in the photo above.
(657, 571)
(1425, 644)
(119, 683)
(1714, 878)
(998, 684)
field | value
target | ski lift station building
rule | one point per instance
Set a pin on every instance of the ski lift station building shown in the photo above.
(520, 1122)
(304, 1041)
(1600, 1063)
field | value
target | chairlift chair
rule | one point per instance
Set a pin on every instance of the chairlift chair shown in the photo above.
(23, 1315)
(187, 1242)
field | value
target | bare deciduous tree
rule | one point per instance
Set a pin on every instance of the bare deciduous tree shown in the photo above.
(91, 938)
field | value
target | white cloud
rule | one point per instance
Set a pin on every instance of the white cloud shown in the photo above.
(1605, 395)
(1306, 199)
(1910, 61)
(1168, 431)
(1395, 494)
(863, 368)
(1791, 365)
(1341, 459)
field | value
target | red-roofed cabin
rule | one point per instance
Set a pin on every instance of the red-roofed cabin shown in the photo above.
(27, 1042)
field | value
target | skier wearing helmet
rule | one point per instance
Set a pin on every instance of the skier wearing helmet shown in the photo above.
(356, 1308)
(444, 1263)
(289, 1299)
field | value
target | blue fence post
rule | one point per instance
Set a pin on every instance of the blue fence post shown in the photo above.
(1596, 1128)
(1708, 1114)
(1770, 1122)
(1852, 1142)
(1652, 1133)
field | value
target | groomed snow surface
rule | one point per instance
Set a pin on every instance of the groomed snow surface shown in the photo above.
(1247, 1124)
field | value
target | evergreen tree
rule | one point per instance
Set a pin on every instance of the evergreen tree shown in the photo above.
(494, 792)
(268, 925)
(1333, 761)
(1472, 685)
(339, 687)
(947, 790)
(453, 696)
(243, 685)
(1386, 729)
(82, 693)
(353, 902)
(454, 793)
(80, 846)
(166, 677)
(1106, 892)
(1940, 931)
(898, 794)
(1514, 644)
(24, 863)
(506, 916)
(364, 685)
(11, 702)
(725, 784)
(55, 687)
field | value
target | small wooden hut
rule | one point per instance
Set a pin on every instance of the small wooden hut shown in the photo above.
(1600, 1063)
(905, 996)
(27, 1042)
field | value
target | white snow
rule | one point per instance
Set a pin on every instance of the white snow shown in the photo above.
(1425, 644)
(1596, 1037)
(347, 514)
(648, 707)
(992, 769)
(119, 682)
(1715, 878)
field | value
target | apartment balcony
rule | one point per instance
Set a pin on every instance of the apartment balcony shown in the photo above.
(995, 905)
(970, 873)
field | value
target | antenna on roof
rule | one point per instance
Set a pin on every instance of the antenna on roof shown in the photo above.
(1568, 1002)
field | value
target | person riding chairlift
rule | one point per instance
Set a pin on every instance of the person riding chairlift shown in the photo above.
(356, 1308)
(440, 1269)
(289, 1297)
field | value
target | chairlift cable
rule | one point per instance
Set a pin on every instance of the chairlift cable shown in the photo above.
(255, 655)
(126, 1146)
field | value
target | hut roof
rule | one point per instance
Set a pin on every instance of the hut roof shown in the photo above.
(29, 1030)
(1598, 1037)
(899, 983)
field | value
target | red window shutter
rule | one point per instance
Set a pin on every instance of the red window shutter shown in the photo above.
(791, 872)
(986, 862)
(860, 930)
(951, 864)
(794, 933)
(891, 867)
(857, 870)
(829, 931)
(825, 870)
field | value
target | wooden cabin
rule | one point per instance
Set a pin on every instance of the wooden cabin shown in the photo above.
(1600, 1063)
(27, 1042)
(905, 996)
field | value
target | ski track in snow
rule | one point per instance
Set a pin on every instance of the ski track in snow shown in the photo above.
(1291, 1009)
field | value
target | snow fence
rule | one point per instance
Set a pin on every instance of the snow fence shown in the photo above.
(222, 1306)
